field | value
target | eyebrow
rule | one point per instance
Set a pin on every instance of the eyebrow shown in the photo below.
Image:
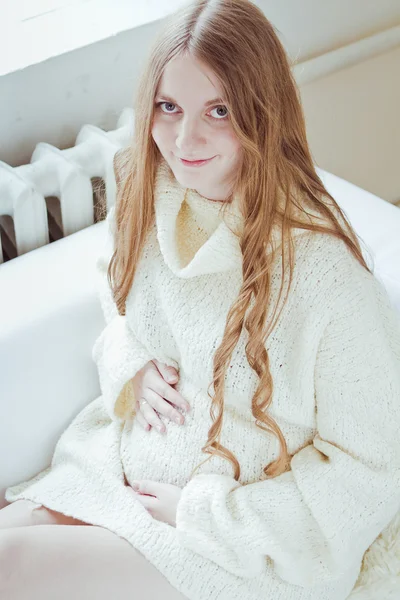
(208, 103)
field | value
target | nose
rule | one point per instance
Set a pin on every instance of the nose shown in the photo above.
(189, 137)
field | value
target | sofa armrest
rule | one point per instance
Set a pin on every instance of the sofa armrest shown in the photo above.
(50, 316)
(377, 224)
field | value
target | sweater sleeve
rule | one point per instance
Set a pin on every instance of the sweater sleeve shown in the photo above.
(117, 352)
(317, 520)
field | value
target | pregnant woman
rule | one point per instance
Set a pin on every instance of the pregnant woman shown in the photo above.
(228, 263)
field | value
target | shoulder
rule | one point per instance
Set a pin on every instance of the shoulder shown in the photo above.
(332, 272)
(327, 254)
(346, 289)
(328, 251)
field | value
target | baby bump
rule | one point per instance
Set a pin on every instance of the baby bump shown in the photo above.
(171, 457)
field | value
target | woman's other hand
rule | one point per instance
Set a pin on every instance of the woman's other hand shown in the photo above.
(159, 499)
(153, 383)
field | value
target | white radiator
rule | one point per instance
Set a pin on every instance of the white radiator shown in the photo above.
(55, 194)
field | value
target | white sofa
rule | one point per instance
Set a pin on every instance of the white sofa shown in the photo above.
(50, 316)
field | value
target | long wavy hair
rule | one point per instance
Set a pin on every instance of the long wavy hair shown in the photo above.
(241, 46)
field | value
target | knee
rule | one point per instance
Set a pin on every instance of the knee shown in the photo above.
(11, 549)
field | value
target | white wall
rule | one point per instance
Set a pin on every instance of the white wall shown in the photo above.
(50, 101)
(352, 113)
(353, 123)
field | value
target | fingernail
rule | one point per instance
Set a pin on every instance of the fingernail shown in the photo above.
(160, 428)
(135, 486)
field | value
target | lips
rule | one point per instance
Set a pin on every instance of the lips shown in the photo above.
(196, 162)
(195, 159)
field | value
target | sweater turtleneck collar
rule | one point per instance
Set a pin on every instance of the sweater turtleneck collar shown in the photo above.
(195, 237)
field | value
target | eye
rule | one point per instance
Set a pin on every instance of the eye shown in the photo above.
(224, 117)
(168, 103)
(219, 118)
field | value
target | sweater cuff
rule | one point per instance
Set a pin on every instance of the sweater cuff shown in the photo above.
(193, 515)
(193, 507)
(200, 528)
(119, 356)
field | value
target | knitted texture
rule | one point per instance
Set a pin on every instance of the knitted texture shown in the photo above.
(335, 362)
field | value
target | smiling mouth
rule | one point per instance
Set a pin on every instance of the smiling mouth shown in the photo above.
(196, 162)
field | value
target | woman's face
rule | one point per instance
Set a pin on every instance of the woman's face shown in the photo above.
(186, 125)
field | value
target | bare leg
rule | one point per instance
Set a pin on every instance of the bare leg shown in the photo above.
(83, 563)
(22, 513)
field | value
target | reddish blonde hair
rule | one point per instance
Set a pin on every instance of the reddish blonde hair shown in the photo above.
(277, 182)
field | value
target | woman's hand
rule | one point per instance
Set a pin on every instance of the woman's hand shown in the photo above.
(160, 499)
(151, 384)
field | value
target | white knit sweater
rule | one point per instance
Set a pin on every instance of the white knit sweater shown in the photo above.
(335, 362)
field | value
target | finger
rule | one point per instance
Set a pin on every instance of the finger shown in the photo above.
(149, 502)
(149, 414)
(163, 406)
(147, 486)
(170, 374)
(172, 395)
(163, 388)
(165, 391)
(140, 418)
